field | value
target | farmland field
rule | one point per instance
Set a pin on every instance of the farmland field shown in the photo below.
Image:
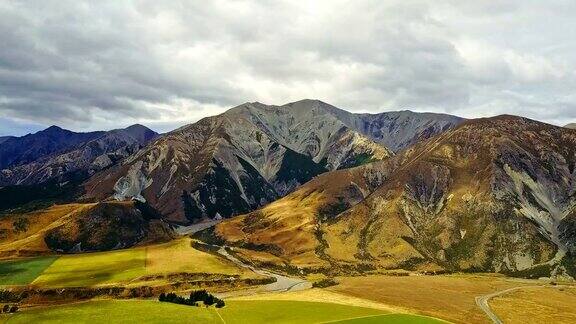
(153, 311)
(392, 318)
(90, 269)
(121, 266)
(274, 311)
(24, 271)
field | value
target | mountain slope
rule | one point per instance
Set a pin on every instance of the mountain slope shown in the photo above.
(5, 138)
(398, 130)
(21, 150)
(80, 227)
(100, 150)
(493, 194)
(571, 126)
(236, 162)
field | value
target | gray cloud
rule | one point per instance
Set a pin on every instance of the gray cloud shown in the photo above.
(97, 65)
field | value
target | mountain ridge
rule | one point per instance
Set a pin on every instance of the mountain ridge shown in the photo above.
(492, 194)
(98, 150)
(28, 148)
(242, 150)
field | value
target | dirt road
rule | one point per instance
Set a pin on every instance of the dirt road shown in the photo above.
(482, 301)
(283, 283)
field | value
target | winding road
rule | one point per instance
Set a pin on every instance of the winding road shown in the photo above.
(482, 301)
(283, 283)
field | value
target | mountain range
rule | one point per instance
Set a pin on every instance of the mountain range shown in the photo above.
(312, 187)
(253, 154)
(495, 194)
(51, 164)
(56, 152)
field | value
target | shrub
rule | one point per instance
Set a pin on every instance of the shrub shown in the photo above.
(195, 296)
(21, 224)
(324, 283)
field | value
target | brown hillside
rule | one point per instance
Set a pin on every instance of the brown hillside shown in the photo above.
(80, 227)
(489, 195)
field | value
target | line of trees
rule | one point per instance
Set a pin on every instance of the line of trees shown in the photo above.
(195, 297)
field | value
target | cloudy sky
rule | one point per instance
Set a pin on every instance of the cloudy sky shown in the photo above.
(87, 65)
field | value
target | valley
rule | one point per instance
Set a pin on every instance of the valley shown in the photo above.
(400, 298)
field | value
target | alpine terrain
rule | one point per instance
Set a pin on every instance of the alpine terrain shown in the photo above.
(64, 152)
(253, 154)
(494, 194)
(50, 165)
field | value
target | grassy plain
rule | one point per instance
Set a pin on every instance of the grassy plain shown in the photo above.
(180, 256)
(156, 312)
(537, 305)
(116, 312)
(450, 297)
(89, 269)
(23, 271)
(392, 318)
(123, 266)
(321, 296)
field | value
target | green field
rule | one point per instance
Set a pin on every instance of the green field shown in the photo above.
(146, 311)
(281, 311)
(22, 272)
(116, 267)
(392, 319)
(90, 269)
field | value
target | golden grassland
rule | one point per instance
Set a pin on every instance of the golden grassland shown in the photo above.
(288, 224)
(179, 256)
(31, 241)
(449, 297)
(537, 305)
(323, 296)
(126, 266)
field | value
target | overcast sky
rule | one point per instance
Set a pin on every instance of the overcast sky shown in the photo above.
(86, 65)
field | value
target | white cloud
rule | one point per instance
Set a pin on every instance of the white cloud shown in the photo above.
(105, 64)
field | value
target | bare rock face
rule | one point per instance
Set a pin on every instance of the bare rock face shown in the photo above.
(399, 130)
(492, 194)
(5, 138)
